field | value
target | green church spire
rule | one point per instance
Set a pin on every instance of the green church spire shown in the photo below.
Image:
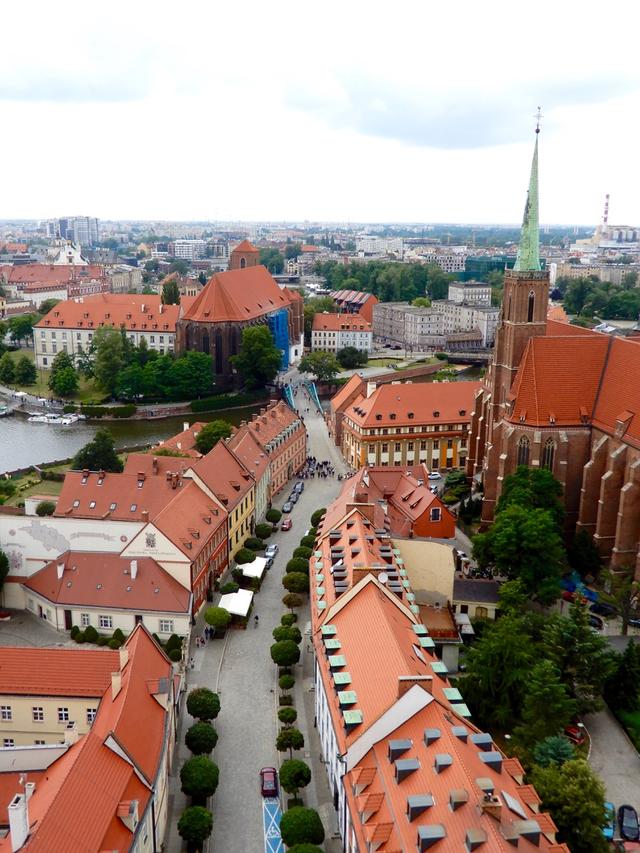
(528, 250)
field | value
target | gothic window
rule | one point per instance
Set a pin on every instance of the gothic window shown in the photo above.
(523, 451)
(532, 302)
(548, 454)
(243, 263)
(509, 307)
(205, 343)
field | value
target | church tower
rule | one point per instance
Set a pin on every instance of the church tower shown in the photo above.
(244, 255)
(525, 300)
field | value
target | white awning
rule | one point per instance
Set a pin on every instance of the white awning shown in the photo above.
(254, 569)
(237, 603)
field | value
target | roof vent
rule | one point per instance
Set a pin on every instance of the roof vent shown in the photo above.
(430, 736)
(529, 829)
(491, 759)
(475, 838)
(398, 747)
(430, 835)
(483, 740)
(417, 804)
(460, 732)
(485, 784)
(458, 797)
(405, 767)
(442, 761)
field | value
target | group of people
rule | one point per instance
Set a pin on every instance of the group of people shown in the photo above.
(314, 468)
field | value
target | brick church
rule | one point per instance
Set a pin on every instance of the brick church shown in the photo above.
(245, 295)
(561, 397)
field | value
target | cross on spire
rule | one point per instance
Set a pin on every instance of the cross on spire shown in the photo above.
(528, 257)
(537, 117)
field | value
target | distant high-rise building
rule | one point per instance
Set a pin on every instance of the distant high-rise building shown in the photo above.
(81, 230)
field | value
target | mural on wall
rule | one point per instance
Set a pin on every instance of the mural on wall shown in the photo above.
(52, 539)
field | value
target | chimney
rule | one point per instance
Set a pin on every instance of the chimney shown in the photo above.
(154, 464)
(116, 684)
(145, 515)
(406, 682)
(174, 481)
(143, 308)
(18, 821)
(492, 805)
(133, 567)
(185, 426)
(160, 310)
(60, 570)
(371, 387)
(124, 657)
(141, 476)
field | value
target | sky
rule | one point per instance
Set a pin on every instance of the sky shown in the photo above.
(411, 111)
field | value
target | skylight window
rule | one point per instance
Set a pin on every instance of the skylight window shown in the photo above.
(418, 653)
(112, 506)
(133, 507)
(76, 503)
(92, 505)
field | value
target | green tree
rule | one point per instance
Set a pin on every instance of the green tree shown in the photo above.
(555, 749)
(273, 515)
(582, 656)
(547, 708)
(189, 376)
(289, 739)
(526, 544)
(299, 564)
(244, 555)
(45, 508)
(296, 582)
(317, 516)
(217, 617)
(99, 454)
(287, 716)
(532, 488)
(498, 670)
(350, 357)
(202, 278)
(273, 260)
(623, 684)
(303, 553)
(195, 825)
(46, 306)
(199, 778)
(285, 653)
(292, 600)
(61, 361)
(130, 384)
(211, 434)
(287, 632)
(324, 366)
(109, 358)
(201, 738)
(65, 383)
(286, 682)
(422, 302)
(574, 796)
(203, 704)
(259, 358)
(583, 556)
(292, 250)
(7, 369)
(170, 292)
(438, 282)
(25, 371)
(300, 825)
(294, 774)
(4, 568)
(624, 593)
(179, 266)
(263, 531)
(21, 328)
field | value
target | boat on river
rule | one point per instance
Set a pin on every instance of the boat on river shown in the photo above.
(55, 419)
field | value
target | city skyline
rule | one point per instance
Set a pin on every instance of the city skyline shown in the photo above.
(351, 116)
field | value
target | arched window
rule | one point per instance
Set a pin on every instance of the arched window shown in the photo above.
(523, 451)
(509, 307)
(532, 302)
(548, 454)
(243, 263)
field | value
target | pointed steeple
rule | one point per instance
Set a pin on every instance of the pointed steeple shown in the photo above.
(528, 249)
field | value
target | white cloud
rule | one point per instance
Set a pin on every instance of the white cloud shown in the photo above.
(345, 111)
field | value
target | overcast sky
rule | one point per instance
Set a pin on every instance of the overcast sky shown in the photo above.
(341, 111)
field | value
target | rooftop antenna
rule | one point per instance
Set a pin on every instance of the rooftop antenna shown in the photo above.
(605, 216)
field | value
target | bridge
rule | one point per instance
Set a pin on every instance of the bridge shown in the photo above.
(288, 392)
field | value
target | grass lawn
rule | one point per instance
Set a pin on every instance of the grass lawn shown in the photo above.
(86, 391)
(631, 721)
(382, 362)
(37, 487)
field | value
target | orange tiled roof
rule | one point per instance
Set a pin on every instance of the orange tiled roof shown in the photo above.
(619, 398)
(55, 672)
(272, 421)
(563, 328)
(355, 383)
(245, 246)
(53, 273)
(340, 323)
(93, 579)
(237, 295)
(133, 311)
(249, 451)
(185, 441)
(415, 404)
(224, 474)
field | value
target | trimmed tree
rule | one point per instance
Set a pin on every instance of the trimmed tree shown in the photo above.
(45, 508)
(195, 824)
(292, 600)
(287, 632)
(303, 553)
(254, 544)
(201, 738)
(285, 653)
(289, 739)
(298, 564)
(203, 704)
(294, 774)
(244, 555)
(218, 618)
(317, 516)
(288, 619)
(199, 778)
(296, 582)
(263, 531)
(273, 515)
(300, 825)
(285, 681)
(308, 541)
(287, 716)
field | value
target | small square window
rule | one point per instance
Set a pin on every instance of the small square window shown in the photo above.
(8, 742)
(5, 712)
(37, 714)
(91, 714)
(85, 621)
(106, 621)
(39, 742)
(112, 506)
(63, 715)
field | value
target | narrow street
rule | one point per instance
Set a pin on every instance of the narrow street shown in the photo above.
(241, 669)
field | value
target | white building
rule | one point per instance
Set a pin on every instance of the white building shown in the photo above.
(190, 250)
(459, 317)
(470, 292)
(450, 261)
(374, 245)
(333, 332)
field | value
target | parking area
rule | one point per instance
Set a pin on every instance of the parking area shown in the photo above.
(24, 629)
(271, 815)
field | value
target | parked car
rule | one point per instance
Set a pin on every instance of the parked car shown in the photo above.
(628, 823)
(568, 596)
(433, 490)
(596, 622)
(635, 622)
(287, 507)
(299, 487)
(435, 475)
(271, 550)
(609, 829)
(269, 563)
(293, 497)
(287, 524)
(603, 609)
(269, 782)
(575, 734)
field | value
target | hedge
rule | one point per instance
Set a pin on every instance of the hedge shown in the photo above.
(112, 411)
(225, 401)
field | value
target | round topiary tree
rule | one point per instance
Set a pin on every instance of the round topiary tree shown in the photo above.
(244, 555)
(273, 515)
(291, 632)
(45, 508)
(294, 774)
(296, 582)
(118, 635)
(292, 600)
(303, 553)
(289, 739)
(74, 631)
(254, 544)
(298, 564)
(174, 642)
(317, 516)
(287, 716)
(285, 653)
(79, 638)
(175, 655)
(112, 643)
(263, 531)
(203, 704)
(229, 587)
(308, 541)
(312, 531)
(90, 634)
(286, 681)
(201, 738)
(218, 618)
(300, 825)
(288, 619)
(195, 824)
(199, 778)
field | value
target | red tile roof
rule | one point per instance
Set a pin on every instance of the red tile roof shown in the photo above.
(557, 328)
(55, 672)
(224, 474)
(619, 397)
(94, 579)
(249, 451)
(53, 273)
(452, 400)
(245, 246)
(185, 441)
(133, 311)
(355, 384)
(340, 323)
(271, 422)
(237, 295)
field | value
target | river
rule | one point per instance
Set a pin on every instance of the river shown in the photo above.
(23, 443)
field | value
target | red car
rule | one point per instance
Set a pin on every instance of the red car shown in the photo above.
(568, 596)
(287, 524)
(269, 782)
(575, 734)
